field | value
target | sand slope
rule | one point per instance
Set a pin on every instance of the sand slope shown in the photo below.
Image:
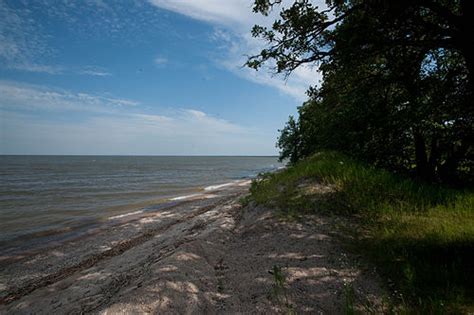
(207, 255)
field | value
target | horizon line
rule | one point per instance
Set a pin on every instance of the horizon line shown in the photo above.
(150, 155)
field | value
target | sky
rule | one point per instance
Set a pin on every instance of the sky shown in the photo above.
(136, 77)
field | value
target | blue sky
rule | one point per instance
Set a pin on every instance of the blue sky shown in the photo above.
(138, 77)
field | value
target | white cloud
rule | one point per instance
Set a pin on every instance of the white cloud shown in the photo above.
(295, 85)
(21, 43)
(15, 95)
(95, 71)
(25, 38)
(128, 135)
(196, 113)
(187, 123)
(233, 20)
(160, 61)
(32, 122)
(50, 69)
(31, 67)
(228, 12)
(153, 118)
(196, 118)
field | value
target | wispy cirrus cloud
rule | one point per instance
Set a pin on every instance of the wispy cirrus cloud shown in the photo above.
(229, 12)
(233, 20)
(94, 71)
(24, 45)
(38, 68)
(15, 96)
(25, 41)
(21, 42)
(55, 69)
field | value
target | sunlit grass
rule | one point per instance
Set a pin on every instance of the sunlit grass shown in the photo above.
(420, 236)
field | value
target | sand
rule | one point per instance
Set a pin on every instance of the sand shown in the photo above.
(204, 255)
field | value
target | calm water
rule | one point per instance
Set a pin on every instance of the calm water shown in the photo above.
(42, 194)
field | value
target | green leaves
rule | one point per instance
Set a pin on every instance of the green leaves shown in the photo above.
(397, 88)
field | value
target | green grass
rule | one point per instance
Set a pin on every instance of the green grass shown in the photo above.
(420, 236)
(349, 299)
(279, 290)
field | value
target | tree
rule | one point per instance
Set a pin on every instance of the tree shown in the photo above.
(289, 141)
(397, 82)
(304, 34)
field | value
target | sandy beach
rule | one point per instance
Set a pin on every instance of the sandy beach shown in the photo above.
(203, 254)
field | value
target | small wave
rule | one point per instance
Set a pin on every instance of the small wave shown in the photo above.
(125, 215)
(215, 187)
(185, 197)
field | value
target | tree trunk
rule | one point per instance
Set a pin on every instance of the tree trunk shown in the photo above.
(434, 156)
(423, 168)
(449, 170)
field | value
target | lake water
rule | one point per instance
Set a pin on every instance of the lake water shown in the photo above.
(42, 196)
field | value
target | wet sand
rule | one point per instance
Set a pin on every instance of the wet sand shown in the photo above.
(203, 254)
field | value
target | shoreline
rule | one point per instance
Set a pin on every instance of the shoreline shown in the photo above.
(101, 242)
(202, 255)
(30, 243)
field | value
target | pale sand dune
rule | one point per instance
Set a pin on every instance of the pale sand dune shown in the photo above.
(206, 255)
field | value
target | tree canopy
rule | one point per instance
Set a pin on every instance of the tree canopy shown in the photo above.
(397, 87)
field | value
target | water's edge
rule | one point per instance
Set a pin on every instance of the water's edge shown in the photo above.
(33, 242)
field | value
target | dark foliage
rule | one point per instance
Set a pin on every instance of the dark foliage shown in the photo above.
(398, 82)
